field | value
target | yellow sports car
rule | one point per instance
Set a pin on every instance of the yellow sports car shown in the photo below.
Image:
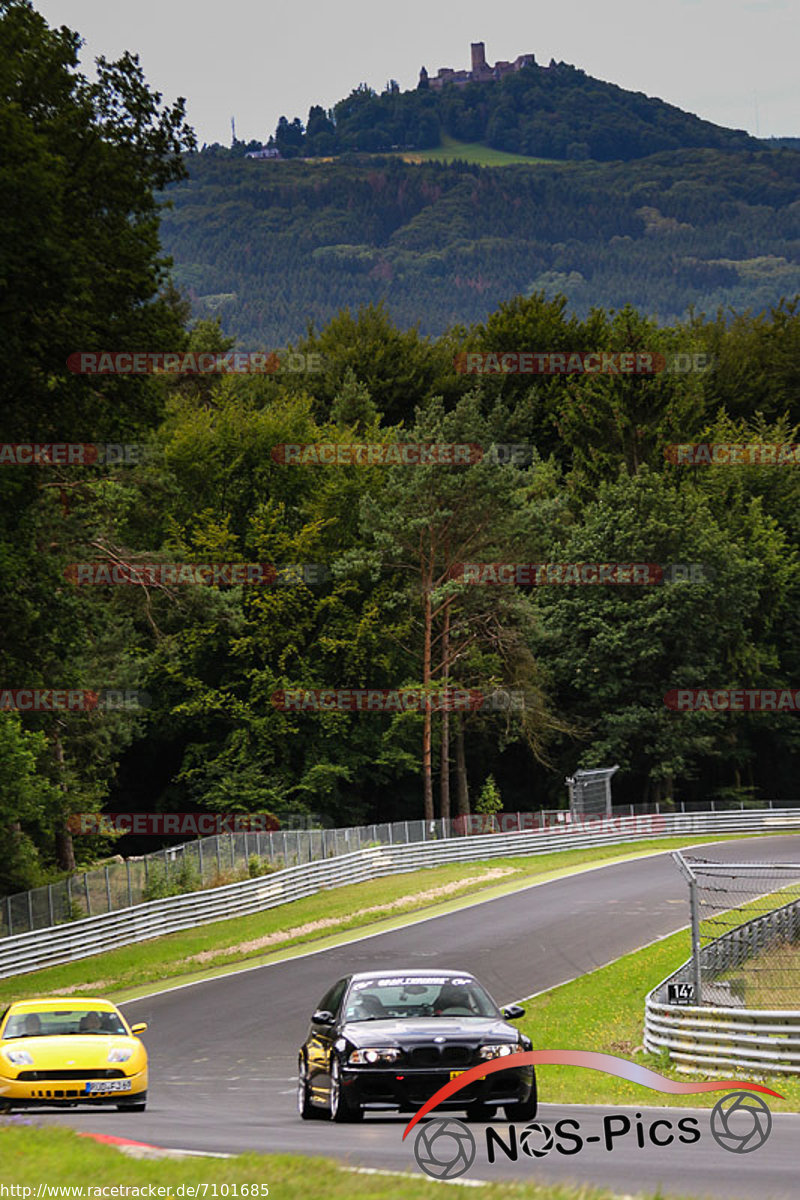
(65, 1052)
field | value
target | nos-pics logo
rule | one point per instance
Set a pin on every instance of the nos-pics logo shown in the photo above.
(446, 1148)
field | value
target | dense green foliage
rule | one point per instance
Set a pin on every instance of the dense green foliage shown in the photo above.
(549, 112)
(593, 663)
(270, 246)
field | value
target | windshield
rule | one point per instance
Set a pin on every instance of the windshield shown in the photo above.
(43, 1023)
(385, 997)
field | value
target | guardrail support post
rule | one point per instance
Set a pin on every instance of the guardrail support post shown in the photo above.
(86, 894)
(8, 911)
(50, 903)
(130, 885)
(108, 889)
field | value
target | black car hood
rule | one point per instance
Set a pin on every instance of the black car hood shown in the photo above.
(411, 1031)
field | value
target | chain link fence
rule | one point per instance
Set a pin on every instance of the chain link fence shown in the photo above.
(745, 922)
(203, 863)
(227, 858)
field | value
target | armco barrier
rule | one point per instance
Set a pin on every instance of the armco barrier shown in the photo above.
(79, 939)
(719, 1040)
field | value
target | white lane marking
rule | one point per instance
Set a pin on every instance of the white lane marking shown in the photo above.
(416, 1178)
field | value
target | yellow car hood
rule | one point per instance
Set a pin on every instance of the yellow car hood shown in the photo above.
(72, 1050)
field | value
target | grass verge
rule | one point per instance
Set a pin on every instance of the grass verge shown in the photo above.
(57, 1157)
(319, 920)
(604, 1011)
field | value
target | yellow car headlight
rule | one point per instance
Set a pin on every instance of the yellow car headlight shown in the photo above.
(19, 1058)
(119, 1054)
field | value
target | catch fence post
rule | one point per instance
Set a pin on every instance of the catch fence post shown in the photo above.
(695, 917)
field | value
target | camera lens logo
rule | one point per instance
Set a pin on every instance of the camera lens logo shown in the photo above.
(741, 1122)
(536, 1140)
(444, 1148)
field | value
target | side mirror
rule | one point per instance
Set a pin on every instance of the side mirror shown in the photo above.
(323, 1017)
(512, 1011)
(137, 1029)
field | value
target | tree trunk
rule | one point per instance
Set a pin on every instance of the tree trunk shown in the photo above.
(444, 788)
(65, 850)
(462, 784)
(427, 766)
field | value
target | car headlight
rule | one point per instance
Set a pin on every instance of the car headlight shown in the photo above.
(370, 1055)
(496, 1051)
(20, 1058)
(119, 1054)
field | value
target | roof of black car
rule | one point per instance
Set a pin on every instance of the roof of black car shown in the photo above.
(392, 972)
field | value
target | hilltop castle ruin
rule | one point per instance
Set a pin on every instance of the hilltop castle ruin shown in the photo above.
(481, 71)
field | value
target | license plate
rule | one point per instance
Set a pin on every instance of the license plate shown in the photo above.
(455, 1074)
(109, 1085)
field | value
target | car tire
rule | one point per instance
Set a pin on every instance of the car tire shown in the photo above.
(306, 1109)
(341, 1107)
(480, 1112)
(526, 1110)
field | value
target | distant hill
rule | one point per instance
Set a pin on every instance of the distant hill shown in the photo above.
(556, 111)
(270, 246)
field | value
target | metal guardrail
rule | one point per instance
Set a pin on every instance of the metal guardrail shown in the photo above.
(718, 1040)
(93, 935)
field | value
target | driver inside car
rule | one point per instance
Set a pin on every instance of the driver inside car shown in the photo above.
(452, 997)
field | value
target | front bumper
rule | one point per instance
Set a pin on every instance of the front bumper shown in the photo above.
(23, 1093)
(409, 1088)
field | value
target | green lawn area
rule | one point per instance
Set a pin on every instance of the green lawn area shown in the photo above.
(30, 1156)
(473, 152)
(314, 921)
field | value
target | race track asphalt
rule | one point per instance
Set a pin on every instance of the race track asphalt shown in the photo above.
(224, 1052)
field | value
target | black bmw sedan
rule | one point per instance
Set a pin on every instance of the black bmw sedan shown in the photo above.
(388, 1040)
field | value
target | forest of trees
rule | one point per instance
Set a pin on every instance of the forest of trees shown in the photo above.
(269, 246)
(594, 663)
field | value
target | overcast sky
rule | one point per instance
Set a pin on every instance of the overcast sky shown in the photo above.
(734, 62)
